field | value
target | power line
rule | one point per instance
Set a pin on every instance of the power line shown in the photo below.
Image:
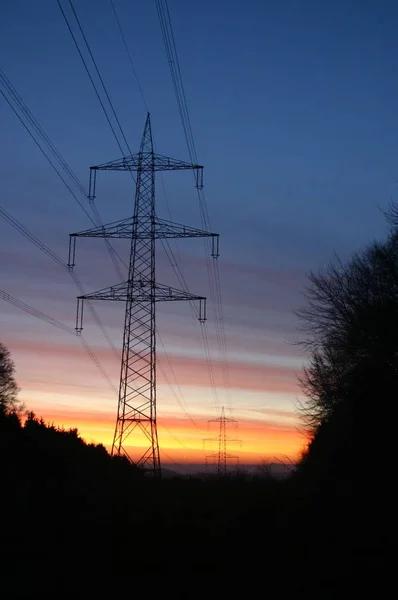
(89, 76)
(33, 122)
(31, 237)
(182, 282)
(38, 314)
(172, 57)
(179, 90)
(46, 250)
(179, 397)
(129, 55)
(39, 130)
(100, 76)
(96, 361)
(111, 250)
(46, 156)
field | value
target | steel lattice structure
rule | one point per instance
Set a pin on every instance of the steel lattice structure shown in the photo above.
(137, 404)
(222, 455)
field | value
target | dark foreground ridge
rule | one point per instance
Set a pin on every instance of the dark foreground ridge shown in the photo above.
(76, 519)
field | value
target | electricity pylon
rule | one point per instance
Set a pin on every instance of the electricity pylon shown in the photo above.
(137, 405)
(222, 440)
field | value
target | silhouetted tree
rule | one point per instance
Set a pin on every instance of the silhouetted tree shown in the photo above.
(8, 386)
(351, 322)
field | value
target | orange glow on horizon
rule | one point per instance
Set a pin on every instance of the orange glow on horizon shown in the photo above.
(182, 442)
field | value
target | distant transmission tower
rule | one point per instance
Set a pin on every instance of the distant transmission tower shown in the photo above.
(136, 411)
(222, 456)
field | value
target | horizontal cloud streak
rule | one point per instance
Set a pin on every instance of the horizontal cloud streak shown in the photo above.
(189, 371)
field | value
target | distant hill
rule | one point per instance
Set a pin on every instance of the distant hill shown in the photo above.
(202, 470)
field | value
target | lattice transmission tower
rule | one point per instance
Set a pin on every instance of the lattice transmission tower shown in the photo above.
(222, 455)
(137, 406)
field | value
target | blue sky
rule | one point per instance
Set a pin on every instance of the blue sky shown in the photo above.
(293, 109)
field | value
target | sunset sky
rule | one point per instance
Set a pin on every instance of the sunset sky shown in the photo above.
(293, 110)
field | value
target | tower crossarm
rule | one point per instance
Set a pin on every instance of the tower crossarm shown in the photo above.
(215, 455)
(126, 228)
(139, 292)
(224, 420)
(145, 161)
(142, 161)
